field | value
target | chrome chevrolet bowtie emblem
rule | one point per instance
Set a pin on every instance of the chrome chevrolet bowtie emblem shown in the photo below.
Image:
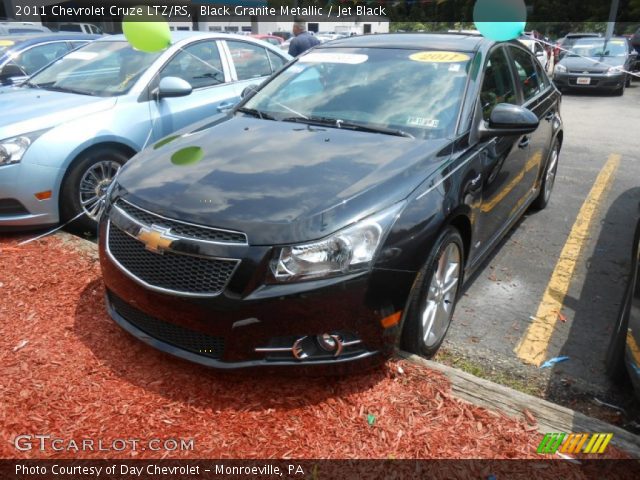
(156, 239)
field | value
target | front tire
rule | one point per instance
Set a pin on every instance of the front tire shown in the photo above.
(549, 179)
(85, 185)
(434, 295)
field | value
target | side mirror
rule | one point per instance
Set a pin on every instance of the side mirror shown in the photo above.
(249, 91)
(507, 119)
(170, 87)
(12, 70)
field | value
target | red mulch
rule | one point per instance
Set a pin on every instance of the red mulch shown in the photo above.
(67, 370)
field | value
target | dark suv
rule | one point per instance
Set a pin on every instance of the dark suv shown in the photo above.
(337, 210)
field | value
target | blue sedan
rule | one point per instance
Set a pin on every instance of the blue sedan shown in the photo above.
(65, 132)
(23, 55)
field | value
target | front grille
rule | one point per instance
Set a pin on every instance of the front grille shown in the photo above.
(182, 229)
(183, 338)
(11, 206)
(182, 274)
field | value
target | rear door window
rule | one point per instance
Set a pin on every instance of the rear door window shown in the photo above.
(526, 72)
(251, 61)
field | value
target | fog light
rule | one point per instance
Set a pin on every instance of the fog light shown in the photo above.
(327, 342)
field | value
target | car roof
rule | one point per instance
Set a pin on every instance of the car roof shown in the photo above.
(413, 41)
(34, 38)
(179, 35)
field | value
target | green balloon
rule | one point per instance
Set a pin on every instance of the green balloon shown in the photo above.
(187, 156)
(147, 36)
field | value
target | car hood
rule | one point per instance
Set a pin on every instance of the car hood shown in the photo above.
(29, 109)
(592, 63)
(279, 182)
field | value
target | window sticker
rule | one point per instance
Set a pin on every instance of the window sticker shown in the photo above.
(7, 43)
(439, 57)
(327, 57)
(423, 122)
(454, 67)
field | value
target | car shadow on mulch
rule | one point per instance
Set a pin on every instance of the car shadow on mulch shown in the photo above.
(181, 381)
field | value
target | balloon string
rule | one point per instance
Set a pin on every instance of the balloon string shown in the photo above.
(51, 231)
(553, 45)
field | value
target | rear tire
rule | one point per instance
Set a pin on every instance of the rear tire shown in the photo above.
(84, 186)
(548, 179)
(434, 295)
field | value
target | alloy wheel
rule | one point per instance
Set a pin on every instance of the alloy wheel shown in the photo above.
(93, 186)
(438, 308)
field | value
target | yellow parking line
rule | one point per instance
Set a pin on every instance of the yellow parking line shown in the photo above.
(533, 346)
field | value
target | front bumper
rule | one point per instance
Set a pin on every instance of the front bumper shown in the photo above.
(596, 81)
(233, 329)
(18, 205)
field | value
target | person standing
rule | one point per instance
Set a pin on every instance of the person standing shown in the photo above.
(302, 41)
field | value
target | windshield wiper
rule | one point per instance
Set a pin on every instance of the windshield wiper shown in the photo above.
(256, 113)
(30, 84)
(337, 123)
(65, 90)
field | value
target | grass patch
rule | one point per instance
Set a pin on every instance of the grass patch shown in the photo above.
(481, 371)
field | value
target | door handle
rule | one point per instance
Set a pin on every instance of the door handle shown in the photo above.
(223, 107)
(524, 143)
(549, 116)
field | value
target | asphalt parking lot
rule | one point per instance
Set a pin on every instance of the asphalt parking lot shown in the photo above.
(554, 286)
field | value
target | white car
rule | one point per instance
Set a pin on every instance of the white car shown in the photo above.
(538, 50)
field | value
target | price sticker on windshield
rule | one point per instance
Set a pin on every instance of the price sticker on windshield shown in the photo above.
(330, 57)
(439, 57)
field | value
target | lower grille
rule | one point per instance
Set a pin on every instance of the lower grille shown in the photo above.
(183, 338)
(172, 272)
(11, 206)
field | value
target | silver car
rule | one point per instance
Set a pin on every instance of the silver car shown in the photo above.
(65, 133)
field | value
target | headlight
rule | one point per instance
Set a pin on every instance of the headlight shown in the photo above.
(349, 250)
(560, 69)
(13, 149)
(614, 70)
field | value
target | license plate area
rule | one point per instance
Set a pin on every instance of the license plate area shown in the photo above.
(583, 81)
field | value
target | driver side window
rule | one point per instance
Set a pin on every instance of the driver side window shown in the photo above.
(199, 64)
(497, 86)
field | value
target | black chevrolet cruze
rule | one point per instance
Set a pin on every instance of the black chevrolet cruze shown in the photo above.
(336, 211)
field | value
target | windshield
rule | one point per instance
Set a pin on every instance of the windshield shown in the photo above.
(102, 69)
(407, 91)
(598, 47)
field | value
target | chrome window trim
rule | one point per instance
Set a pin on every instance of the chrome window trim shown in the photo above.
(167, 291)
